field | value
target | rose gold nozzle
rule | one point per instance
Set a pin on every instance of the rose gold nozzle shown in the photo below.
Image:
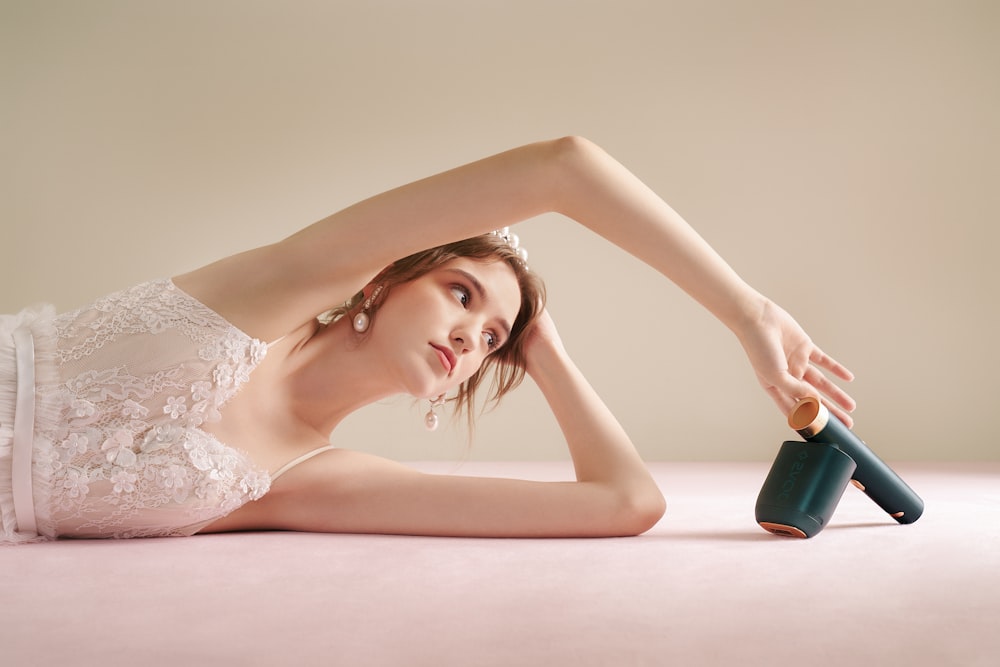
(809, 416)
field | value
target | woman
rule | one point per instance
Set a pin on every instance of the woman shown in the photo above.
(135, 396)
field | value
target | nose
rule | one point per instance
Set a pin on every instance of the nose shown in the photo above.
(460, 342)
(464, 340)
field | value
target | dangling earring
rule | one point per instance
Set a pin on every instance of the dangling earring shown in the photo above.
(431, 419)
(363, 319)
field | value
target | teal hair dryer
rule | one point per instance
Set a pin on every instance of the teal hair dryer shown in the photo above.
(807, 479)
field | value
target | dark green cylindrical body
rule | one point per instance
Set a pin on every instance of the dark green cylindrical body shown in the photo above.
(803, 488)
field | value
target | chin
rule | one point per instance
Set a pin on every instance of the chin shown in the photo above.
(428, 390)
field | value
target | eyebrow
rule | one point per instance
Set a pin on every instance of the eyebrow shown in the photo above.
(478, 286)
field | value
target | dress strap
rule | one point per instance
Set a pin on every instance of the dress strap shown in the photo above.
(24, 432)
(294, 462)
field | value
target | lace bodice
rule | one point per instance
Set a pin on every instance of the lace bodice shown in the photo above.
(140, 372)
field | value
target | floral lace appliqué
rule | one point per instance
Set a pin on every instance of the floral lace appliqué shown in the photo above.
(144, 369)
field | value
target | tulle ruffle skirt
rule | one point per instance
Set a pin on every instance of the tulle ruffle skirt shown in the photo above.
(38, 321)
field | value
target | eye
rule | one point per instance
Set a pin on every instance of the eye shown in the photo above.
(491, 340)
(461, 294)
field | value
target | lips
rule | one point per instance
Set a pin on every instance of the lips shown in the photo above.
(446, 356)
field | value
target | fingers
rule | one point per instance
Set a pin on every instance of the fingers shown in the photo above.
(826, 387)
(825, 361)
(787, 390)
(838, 401)
(810, 371)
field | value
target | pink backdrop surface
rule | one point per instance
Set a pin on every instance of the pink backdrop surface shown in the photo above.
(706, 586)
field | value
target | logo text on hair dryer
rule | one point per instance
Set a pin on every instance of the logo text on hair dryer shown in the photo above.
(793, 476)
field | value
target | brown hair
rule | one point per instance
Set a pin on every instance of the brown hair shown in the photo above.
(507, 363)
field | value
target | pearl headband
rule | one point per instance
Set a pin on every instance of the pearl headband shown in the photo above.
(514, 242)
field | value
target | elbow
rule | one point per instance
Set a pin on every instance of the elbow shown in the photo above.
(638, 512)
(571, 149)
(570, 165)
(647, 513)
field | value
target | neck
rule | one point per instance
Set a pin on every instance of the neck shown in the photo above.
(330, 374)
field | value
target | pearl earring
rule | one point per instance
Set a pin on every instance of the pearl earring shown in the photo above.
(431, 419)
(363, 319)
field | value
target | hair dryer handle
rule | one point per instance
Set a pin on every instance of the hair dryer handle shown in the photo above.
(814, 422)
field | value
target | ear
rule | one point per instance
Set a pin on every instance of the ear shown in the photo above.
(355, 300)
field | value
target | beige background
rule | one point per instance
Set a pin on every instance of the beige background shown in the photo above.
(842, 155)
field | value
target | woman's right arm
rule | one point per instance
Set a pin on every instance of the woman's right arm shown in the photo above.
(613, 494)
(602, 452)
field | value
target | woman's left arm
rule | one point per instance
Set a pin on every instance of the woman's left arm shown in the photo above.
(272, 290)
(604, 196)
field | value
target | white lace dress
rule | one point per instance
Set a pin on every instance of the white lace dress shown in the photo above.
(114, 445)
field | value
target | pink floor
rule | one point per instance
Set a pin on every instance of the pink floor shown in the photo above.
(704, 587)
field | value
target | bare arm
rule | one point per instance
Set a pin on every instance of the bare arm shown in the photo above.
(572, 176)
(270, 291)
(604, 196)
(344, 491)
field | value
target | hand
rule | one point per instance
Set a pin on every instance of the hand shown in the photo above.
(789, 366)
(543, 340)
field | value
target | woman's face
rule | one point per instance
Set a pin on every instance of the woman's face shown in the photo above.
(436, 331)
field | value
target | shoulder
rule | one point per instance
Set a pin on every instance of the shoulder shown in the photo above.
(269, 291)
